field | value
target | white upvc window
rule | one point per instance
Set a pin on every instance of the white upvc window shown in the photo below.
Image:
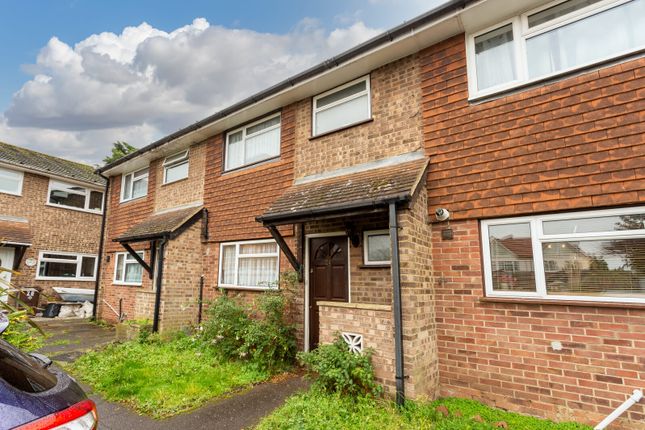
(255, 142)
(127, 271)
(376, 248)
(556, 38)
(134, 185)
(342, 106)
(11, 181)
(175, 167)
(591, 256)
(72, 196)
(251, 264)
(66, 266)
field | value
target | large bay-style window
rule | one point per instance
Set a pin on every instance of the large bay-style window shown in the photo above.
(127, 271)
(341, 107)
(11, 181)
(53, 265)
(255, 142)
(134, 185)
(74, 196)
(250, 264)
(557, 38)
(596, 255)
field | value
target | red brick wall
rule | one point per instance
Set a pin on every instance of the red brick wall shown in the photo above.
(575, 143)
(501, 353)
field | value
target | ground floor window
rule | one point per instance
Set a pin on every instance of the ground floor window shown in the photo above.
(250, 264)
(595, 255)
(127, 270)
(376, 247)
(66, 266)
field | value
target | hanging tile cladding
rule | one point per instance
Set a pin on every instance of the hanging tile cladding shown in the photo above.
(574, 143)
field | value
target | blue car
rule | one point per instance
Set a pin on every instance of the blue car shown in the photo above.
(34, 395)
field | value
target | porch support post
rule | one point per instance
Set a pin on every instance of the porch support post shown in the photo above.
(285, 248)
(153, 256)
(19, 254)
(158, 283)
(398, 321)
(139, 260)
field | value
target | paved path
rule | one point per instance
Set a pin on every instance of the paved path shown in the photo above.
(69, 338)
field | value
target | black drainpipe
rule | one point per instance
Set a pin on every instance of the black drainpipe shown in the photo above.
(398, 322)
(101, 239)
(201, 299)
(158, 281)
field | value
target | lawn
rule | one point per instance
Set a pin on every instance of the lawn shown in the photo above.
(315, 410)
(162, 379)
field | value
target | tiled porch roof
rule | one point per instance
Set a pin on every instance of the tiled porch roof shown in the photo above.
(15, 232)
(352, 191)
(163, 224)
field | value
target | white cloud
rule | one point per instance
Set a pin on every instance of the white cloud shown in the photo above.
(143, 83)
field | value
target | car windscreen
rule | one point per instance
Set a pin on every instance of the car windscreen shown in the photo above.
(24, 372)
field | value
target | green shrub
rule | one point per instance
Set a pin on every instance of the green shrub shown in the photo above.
(338, 370)
(259, 334)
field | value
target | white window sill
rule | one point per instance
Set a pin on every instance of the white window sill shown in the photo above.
(127, 284)
(74, 209)
(239, 287)
(133, 200)
(10, 193)
(47, 278)
(568, 301)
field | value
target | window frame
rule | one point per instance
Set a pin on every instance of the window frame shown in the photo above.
(116, 281)
(366, 260)
(237, 260)
(184, 159)
(86, 206)
(131, 173)
(21, 176)
(79, 264)
(243, 129)
(521, 32)
(315, 110)
(538, 238)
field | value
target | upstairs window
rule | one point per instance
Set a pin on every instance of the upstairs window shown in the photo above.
(66, 266)
(341, 107)
(175, 167)
(598, 255)
(253, 143)
(11, 181)
(555, 39)
(134, 185)
(75, 197)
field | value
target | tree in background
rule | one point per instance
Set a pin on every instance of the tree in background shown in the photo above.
(119, 150)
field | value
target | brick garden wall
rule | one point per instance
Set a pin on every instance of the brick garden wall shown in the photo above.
(375, 323)
(53, 229)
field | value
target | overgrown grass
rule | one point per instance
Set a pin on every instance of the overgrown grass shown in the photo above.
(316, 410)
(162, 379)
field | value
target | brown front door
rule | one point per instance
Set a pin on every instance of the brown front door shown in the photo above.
(327, 277)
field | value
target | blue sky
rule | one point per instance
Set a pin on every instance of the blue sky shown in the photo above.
(94, 83)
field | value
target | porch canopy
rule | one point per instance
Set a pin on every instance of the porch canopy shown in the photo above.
(360, 189)
(162, 226)
(15, 233)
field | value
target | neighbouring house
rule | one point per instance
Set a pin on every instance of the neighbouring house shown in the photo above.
(520, 119)
(50, 221)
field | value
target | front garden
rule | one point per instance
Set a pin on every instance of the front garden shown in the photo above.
(241, 346)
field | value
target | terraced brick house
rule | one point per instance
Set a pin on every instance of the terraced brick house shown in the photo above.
(519, 120)
(50, 221)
